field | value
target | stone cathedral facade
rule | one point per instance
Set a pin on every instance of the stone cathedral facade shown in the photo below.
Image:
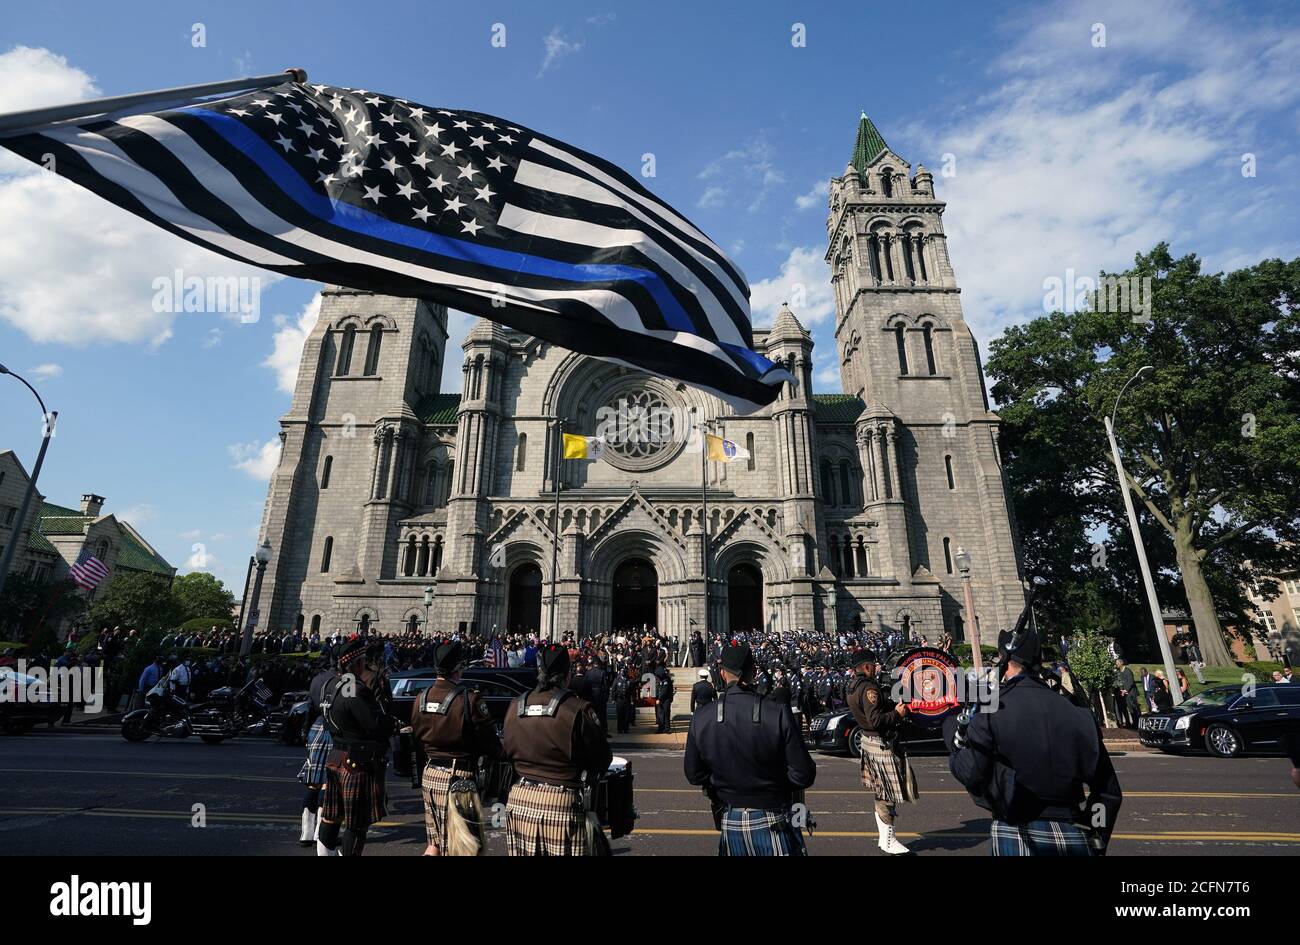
(849, 512)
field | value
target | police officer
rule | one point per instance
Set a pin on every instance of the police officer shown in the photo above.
(624, 690)
(455, 727)
(748, 755)
(885, 770)
(556, 744)
(702, 693)
(354, 769)
(663, 699)
(1027, 762)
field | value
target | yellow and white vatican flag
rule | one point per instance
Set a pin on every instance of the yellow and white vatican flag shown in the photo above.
(583, 447)
(717, 448)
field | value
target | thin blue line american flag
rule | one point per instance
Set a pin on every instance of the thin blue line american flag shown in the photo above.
(88, 571)
(349, 187)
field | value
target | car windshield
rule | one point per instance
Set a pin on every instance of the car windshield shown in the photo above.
(1221, 696)
(410, 686)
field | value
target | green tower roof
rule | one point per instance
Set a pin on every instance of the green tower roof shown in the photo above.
(869, 144)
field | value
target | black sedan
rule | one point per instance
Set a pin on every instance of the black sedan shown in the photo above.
(837, 733)
(20, 712)
(498, 687)
(1226, 721)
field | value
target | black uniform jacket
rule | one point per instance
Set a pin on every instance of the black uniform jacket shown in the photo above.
(317, 689)
(747, 763)
(872, 708)
(558, 749)
(463, 731)
(702, 693)
(1031, 758)
(355, 717)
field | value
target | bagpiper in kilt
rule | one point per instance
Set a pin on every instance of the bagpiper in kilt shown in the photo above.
(454, 725)
(885, 770)
(312, 773)
(748, 755)
(555, 742)
(1028, 762)
(356, 764)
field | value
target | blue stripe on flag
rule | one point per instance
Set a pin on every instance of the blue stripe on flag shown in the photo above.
(366, 223)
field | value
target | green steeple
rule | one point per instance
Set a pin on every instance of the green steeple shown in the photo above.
(868, 145)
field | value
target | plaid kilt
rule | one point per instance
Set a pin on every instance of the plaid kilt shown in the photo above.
(545, 820)
(319, 744)
(886, 773)
(1039, 838)
(354, 797)
(435, 785)
(747, 831)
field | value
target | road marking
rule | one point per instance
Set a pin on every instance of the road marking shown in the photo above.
(1221, 837)
(155, 774)
(1127, 794)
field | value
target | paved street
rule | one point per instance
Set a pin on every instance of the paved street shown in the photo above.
(93, 793)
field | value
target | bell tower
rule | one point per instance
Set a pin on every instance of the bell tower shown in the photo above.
(904, 348)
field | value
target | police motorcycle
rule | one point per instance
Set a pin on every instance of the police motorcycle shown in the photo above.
(225, 713)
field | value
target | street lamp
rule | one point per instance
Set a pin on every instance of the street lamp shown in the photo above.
(1175, 693)
(47, 431)
(428, 602)
(263, 555)
(976, 654)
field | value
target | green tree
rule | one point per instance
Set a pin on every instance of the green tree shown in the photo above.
(1093, 665)
(200, 595)
(26, 605)
(1211, 440)
(134, 599)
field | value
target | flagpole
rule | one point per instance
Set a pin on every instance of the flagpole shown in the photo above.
(704, 521)
(35, 117)
(555, 529)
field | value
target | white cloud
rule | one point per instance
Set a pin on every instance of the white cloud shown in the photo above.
(191, 535)
(1082, 167)
(74, 268)
(256, 459)
(804, 282)
(752, 163)
(138, 515)
(558, 46)
(815, 197)
(47, 372)
(286, 350)
(213, 338)
(712, 197)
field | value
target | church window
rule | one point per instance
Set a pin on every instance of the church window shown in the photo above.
(848, 556)
(345, 351)
(907, 258)
(928, 335)
(920, 258)
(749, 446)
(372, 353)
(860, 558)
(437, 554)
(325, 473)
(408, 566)
(828, 482)
(947, 462)
(431, 484)
(833, 546)
(446, 488)
(422, 564)
(326, 555)
(521, 452)
(900, 341)
(846, 483)
(887, 182)
(315, 623)
(947, 555)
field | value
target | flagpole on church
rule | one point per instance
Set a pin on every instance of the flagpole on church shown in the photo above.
(704, 521)
(555, 528)
(36, 117)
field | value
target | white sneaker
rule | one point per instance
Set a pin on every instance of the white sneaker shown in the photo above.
(322, 850)
(308, 827)
(888, 842)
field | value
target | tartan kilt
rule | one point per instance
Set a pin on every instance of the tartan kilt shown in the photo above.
(747, 831)
(354, 797)
(887, 773)
(545, 820)
(319, 744)
(1039, 838)
(435, 786)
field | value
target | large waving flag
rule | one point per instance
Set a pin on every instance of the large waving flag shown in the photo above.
(350, 187)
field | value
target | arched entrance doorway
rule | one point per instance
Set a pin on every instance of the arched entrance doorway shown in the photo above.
(524, 608)
(636, 595)
(744, 598)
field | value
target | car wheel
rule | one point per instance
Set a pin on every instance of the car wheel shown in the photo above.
(1222, 741)
(855, 743)
(16, 727)
(133, 730)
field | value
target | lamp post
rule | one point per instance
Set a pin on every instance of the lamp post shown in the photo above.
(1165, 652)
(428, 602)
(263, 555)
(47, 429)
(976, 654)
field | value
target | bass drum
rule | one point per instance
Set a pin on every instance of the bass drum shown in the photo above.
(615, 801)
(495, 779)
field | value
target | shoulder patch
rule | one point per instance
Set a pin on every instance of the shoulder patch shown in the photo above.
(481, 710)
(873, 696)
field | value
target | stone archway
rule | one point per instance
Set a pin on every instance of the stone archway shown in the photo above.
(524, 599)
(744, 598)
(635, 595)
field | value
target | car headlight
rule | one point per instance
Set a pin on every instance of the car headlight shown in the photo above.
(835, 720)
(1183, 722)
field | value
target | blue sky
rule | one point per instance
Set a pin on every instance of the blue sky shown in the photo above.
(1062, 154)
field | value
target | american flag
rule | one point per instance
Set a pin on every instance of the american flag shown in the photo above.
(496, 655)
(350, 187)
(88, 571)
